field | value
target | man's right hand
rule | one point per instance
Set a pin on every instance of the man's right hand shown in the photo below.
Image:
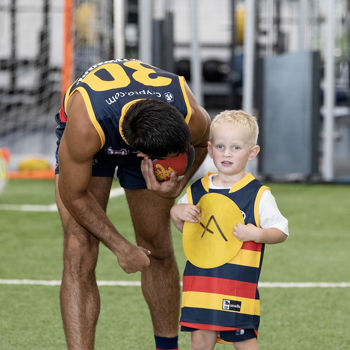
(134, 259)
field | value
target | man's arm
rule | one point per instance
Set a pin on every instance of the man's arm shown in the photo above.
(199, 126)
(79, 143)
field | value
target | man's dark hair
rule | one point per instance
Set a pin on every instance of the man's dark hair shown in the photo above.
(156, 128)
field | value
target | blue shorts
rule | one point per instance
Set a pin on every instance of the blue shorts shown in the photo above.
(230, 336)
(104, 165)
(238, 335)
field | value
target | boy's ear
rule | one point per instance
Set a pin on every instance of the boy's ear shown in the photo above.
(254, 151)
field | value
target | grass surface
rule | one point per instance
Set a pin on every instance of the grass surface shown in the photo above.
(293, 318)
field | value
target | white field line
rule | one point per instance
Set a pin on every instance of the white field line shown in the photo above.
(28, 207)
(138, 283)
(58, 283)
(115, 192)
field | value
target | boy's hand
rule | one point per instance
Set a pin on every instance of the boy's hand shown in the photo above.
(247, 232)
(250, 232)
(187, 212)
(184, 212)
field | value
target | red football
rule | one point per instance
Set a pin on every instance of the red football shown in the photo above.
(179, 164)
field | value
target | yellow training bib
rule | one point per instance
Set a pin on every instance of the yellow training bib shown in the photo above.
(210, 242)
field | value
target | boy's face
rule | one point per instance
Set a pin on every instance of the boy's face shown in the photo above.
(231, 149)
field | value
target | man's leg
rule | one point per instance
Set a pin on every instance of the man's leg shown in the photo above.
(80, 301)
(160, 281)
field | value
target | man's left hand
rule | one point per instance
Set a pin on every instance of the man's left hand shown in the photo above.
(167, 189)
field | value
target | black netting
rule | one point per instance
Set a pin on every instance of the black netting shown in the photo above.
(31, 56)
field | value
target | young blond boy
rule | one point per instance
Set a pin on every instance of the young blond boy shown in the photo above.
(220, 303)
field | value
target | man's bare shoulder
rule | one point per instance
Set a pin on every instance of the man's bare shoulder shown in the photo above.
(80, 133)
(200, 121)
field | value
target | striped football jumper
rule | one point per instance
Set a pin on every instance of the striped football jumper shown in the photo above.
(226, 297)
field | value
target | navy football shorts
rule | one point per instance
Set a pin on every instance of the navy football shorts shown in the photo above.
(104, 165)
(238, 335)
(230, 336)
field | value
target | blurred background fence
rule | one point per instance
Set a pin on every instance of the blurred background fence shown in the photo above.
(286, 61)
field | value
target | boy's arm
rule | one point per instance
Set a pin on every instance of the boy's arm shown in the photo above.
(184, 212)
(178, 223)
(250, 232)
(273, 226)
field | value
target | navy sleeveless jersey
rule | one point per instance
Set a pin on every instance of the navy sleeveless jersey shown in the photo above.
(226, 297)
(110, 87)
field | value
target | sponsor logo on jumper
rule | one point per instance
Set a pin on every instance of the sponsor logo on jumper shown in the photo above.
(232, 305)
(169, 97)
(141, 93)
(243, 214)
(118, 152)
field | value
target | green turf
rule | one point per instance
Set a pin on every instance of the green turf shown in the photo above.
(294, 318)
(28, 192)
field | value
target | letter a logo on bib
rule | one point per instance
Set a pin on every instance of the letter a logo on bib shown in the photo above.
(210, 242)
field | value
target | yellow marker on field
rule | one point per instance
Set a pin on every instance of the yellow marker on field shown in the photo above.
(4, 159)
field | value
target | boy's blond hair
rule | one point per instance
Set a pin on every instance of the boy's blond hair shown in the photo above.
(237, 118)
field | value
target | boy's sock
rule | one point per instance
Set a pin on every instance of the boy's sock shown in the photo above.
(163, 343)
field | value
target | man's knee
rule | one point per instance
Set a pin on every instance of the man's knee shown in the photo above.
(164, 253)
(161, 247)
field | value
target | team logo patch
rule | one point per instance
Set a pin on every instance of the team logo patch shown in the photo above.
(161, 172)
(232, 305)
(118, 152)
(169, 97)
(210, 242)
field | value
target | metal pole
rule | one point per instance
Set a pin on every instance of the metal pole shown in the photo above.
(13, 50)
(280, 47)
(168, 55)
(145, 30)
(328, 127)
(270, 17)
(68, 46)
(196, 64)
(233, 72)
(248, 68)
(158, 41)
(303, 13)
(43, 60)
(119, 24)
(249, 56)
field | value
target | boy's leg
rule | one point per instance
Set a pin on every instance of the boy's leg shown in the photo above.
(250, 344)
(203, 340)
(242, 339)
